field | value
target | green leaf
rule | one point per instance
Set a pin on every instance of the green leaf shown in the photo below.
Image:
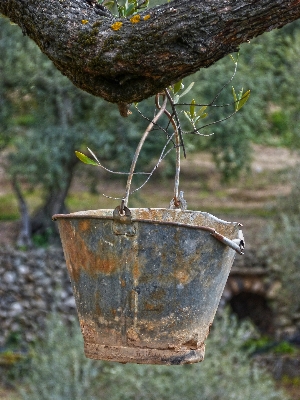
(192, 108)
(85, 159)
(187, 89)
(240, 95)
(243, 99)
(203, 115)
(201, 111)
(177, 86)
(235, 99)
(130, 10)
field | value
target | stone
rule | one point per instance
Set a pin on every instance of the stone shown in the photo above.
(23, 269)
(70, 302)
(9, 277)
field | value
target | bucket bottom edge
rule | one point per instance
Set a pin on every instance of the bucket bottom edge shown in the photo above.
(143, 355)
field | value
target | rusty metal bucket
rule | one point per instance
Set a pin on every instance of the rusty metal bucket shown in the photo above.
(147, 283)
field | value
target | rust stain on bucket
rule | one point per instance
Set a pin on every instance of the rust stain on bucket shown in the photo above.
(82, 257)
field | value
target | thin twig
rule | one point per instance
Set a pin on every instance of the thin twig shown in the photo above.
(209, 105)
(213, 105)
(225, 84)
(178, 141)
(113, 198)
(163, 155)
(179, 130)
(196, 131)
(151, 120)
(113, 172)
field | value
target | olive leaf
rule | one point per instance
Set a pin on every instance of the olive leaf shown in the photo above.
(244, 99)
(85, 159)
(240, 99)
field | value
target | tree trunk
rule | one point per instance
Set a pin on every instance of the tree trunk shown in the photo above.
(41, 221)
(126, 60)
(24, 237)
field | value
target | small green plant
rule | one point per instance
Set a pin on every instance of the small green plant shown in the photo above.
(43, 240)
(284, 347)
(265, 344)
(125, 8)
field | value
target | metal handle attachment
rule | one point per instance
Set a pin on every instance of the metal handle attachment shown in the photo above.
(236, 244)
(122, 224)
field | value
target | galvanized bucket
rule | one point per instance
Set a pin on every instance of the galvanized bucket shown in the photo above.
(147, 283)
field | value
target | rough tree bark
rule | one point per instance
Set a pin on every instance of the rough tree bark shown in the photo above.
(131, 61)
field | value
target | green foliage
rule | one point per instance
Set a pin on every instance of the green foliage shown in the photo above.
(8, 207)
(282, 246)
(266, 344)
(59, 371)
(240, 99)
(269, 67)
(284, 348)
(284, 251)
(58, 368)
(125, 8)
(43, 239)
(177, 88)
(194, 116)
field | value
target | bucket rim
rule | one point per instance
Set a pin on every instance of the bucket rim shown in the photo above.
(95, 214)
(236, 244)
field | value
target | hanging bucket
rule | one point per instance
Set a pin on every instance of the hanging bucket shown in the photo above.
(147, 283)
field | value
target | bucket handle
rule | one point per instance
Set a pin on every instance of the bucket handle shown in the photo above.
(236, 244)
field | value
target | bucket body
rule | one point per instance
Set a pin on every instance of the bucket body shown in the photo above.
(146, 286)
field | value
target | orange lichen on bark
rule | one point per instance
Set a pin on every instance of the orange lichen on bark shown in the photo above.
(135, 19)
(146, 17)
(84, 21)
(117, 25)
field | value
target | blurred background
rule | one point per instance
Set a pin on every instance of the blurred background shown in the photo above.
(247, 171)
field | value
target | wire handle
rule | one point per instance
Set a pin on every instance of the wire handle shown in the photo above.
(138, 149)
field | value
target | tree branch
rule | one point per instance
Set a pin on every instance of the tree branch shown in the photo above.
(131, 61)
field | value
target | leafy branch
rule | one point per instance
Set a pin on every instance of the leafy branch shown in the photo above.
(195, 114)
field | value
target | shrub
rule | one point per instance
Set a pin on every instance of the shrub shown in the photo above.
(282, 246)
(59, 370)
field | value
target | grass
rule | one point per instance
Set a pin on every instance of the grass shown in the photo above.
(8, 208)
